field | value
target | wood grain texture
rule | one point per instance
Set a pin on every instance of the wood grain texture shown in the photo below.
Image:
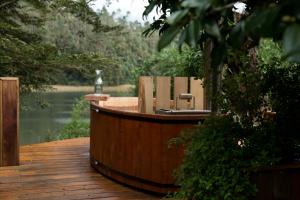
(1, 129)
(9, 125)
(278, 182)
(163, 94)
(180, 86)
(60, 170)
(145, 94)
(132, 148)
(197, 91)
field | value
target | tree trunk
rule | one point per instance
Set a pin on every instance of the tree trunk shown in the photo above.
(212, 79)
(207, 75)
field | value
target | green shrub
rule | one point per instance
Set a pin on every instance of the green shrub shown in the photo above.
(284, 93)
(78, 126)
(220, 156)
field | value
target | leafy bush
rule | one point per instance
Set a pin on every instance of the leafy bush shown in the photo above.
(220, 156)
(284, 86)
(171, 62)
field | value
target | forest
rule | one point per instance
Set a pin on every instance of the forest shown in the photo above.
(62, 48)
(59, 47)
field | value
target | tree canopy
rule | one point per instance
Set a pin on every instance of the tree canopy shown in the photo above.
(24, 53)
(197, 20)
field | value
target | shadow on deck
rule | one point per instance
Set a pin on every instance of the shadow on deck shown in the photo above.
(60, 170)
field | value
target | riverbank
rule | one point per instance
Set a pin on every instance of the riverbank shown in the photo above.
(90, 89)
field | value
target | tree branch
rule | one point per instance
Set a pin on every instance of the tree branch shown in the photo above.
(6, 3)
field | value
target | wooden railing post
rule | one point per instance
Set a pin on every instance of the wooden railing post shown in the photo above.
(9, 121)
(145, 104)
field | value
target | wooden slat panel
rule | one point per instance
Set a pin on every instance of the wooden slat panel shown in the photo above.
(146, 94)
(163, 85)
(197, 91)
(180, 86)
(1, 125)
(10, 121)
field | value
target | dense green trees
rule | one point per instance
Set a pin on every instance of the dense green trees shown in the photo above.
(171, 62)
(121, 49)
(198, 20)
(227, 36)
(64, 41)
(23, 52)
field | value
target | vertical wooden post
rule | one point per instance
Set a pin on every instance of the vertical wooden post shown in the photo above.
(9, 121)
(145, 103)
(180, 86)
(197, 91)
(163, 94)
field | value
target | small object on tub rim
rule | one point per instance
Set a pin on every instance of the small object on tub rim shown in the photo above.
(182, 112)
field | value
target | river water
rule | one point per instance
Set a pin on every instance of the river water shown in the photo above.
(36, 123)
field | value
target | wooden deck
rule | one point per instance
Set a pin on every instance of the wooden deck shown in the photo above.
(60, 170)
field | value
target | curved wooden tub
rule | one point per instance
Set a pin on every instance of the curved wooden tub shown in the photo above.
(132, 148)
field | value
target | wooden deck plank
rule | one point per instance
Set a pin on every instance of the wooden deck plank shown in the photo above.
(60, 170)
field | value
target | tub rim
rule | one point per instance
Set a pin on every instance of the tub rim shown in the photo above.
(147, 116)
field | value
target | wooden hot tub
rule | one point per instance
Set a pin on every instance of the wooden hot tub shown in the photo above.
(132, 148)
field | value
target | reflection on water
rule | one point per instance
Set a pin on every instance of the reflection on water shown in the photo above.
(36, 124)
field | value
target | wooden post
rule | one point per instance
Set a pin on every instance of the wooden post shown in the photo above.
(163, 94)
(9, 121)
(197, 91)
(145, 103)
(180, 86)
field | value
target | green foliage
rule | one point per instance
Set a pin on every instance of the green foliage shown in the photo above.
(221, 154)
(118, 52)
(215, 165)
(243, 94)
(220, 157)
(227, 37)
(270, 54)
(197, 21)
(171, 62)
(24, 54)
(285, 101)
(64, 41)
(78, 126)
(282, 84)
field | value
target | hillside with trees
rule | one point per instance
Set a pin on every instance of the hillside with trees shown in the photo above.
(63, 42)
(121, 48)
(25, 54)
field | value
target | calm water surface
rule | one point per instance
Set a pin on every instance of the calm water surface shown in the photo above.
(36, 124)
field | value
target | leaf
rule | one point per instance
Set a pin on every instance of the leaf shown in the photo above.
(212, 29)
(201, 4)
(193, 30)
(182, 38)
(262, 22)
(168, 36)
(291, 43)
(177, 16)
(149, 8)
